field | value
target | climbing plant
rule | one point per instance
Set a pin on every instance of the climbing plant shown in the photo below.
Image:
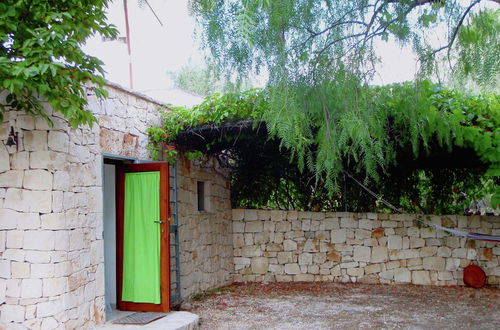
(391, 127)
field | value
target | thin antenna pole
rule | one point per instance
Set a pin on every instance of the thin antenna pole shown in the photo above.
(127, 29)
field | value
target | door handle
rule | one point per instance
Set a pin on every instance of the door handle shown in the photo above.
(159, 221)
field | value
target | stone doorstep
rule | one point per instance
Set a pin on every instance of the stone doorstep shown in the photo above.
(173, 321)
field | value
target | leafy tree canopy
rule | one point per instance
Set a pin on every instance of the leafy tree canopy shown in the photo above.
(420, 149)
(41, 58)
(320, 55)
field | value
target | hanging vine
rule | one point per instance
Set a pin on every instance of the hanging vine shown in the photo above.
(371, 131)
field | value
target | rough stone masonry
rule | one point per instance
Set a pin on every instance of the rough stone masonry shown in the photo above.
(288, 246)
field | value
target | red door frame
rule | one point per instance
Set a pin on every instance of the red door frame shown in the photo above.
(164, 306)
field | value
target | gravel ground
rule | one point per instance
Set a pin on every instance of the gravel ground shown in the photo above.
(347, 306)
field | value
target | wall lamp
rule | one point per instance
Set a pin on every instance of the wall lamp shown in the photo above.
(13, 139)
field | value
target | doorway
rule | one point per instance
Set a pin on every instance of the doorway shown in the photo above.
(136, 236)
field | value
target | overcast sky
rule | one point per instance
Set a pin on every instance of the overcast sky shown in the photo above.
(157, 49)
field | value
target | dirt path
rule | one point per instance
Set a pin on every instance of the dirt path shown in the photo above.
(348, 306)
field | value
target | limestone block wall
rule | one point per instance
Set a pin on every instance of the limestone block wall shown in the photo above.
(358, 247)
(206, 241)
(51, 246)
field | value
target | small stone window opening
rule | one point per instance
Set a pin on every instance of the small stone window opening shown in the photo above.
(201, 195)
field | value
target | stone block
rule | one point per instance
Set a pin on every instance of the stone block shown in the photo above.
(260, 265)
(26, 122)
(28, 201)
(277, 215)
(420, 277)
(371, 269)
(289, 245)
(427, 232)
(238, 214)
(3, 290)
(445, 276)
(444, 251)
(251, 251)
(331, 223)
(358, 272)
(48, 308)
(53, 221)
(292, 269)
(4, 159)
(61, 180)
(311, 245)
(283, 226)
(49, 323)
(319, 258)
(39, 240)
(303, 278)
(387, 275)
(261, 238)
(395, 242)
(238, 227)
(12, 179)
(459, 253)
(428, 251)
(20, 270)
(269, 226)
(263, 215)
(339, 236)
(348, 223)
(413, 232)
(379, 254)
(31, 288)
(14, 239)
(58, 141)
(42, 271)
(12, 313)
(305, 258)
(349, 264)
(284, 278)
(362, 253)
(276, 269)
(238, 240)
(250, 215)
(434, 263)
(366, 224)
(253, 226)
(408, 254)
(5, 271)
(284, 257)
(55, 286)
(402, 275)
(416, 242)
(50, 160)
(35, 140)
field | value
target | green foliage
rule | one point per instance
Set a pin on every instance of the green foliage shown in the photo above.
(379, 140)
(215, 109)
(308, 41)
(482, 64)
(40, 55)
(319, 56)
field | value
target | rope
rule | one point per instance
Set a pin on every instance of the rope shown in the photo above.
(475, 236)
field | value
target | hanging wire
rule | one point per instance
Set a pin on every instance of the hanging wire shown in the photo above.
(475, 236)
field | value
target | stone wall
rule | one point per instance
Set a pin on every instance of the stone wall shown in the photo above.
(359, 247)
(51, 246)
(206, 245)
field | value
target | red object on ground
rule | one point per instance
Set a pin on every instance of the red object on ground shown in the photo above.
(474, 276)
